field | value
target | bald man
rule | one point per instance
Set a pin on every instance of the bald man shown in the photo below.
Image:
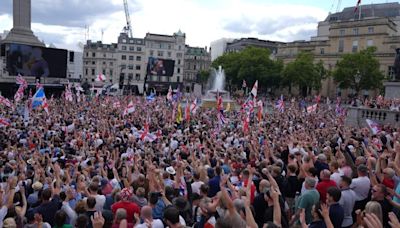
(146, 215)
(324, 184)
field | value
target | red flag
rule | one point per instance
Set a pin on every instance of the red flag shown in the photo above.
(4, 122)
(5, 102)
(187, 111)
(145, 131)
(358, 4)
(246, 121)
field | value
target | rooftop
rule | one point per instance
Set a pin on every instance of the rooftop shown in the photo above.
(391, 9)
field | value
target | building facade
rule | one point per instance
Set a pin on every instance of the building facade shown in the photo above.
(99, 58)
(218, 47)
(340, 34)
(74, 66)
(131, 63)
(165, 47)
(240, 44)
(197, 59)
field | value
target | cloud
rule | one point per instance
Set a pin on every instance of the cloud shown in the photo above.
(241, 26)
(202, 21)
(76, 13)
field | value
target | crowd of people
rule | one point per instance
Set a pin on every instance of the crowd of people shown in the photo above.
(89, 164)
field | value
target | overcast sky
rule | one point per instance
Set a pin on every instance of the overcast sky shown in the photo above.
(62, 22)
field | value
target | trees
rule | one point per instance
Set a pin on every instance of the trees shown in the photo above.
(359, 71)
(250, 64)
(304, 73)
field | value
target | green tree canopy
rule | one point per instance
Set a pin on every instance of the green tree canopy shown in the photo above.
(250, 64)
(304, 73)
(359, 71)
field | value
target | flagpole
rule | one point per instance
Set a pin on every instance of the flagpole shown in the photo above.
(359, 12)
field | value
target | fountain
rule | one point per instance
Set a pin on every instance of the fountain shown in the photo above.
(216, 84)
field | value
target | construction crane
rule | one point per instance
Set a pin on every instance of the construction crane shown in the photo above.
(128, 27)
(338, 6)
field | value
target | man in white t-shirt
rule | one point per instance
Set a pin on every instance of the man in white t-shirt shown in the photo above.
(197, 183)
(147, 216)
(100, 199)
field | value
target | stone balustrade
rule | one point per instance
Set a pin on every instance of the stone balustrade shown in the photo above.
(356, 116)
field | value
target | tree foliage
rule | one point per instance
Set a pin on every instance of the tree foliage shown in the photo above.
(363, 64)
(250, 64)
(303, 72)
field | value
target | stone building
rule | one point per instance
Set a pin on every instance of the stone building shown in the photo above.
(343, 33)
(197, 59)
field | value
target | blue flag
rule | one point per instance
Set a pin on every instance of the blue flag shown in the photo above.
(38, 98)
(151, 97)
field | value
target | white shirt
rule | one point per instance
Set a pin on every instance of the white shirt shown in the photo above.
(347, 201)
(156, 223)
(336, 177)
(100, 201)
(361, 187)
(196, 186)
(3, 213)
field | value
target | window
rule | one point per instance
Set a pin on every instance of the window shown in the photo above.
(86, 71)
(355, 31)
(131, 48)
(138, 48)
(124, 48)
(87, 62)
(123, 40)
(355, 46)
(110, 80)
(103, 71)
(179, 47)
(169, 46)
(123, 57)
(104, 55)
(370, 43)
(92, 79)
(391, 72)
(71, 56)
(93, 54)
(178, 79)
(130, 67)
(137, 76)
(160, 53)
(370, 29)
(322, 51)
(195, 57)
(87, 54)
(138, 58)
(179, 55)
(93, 63)
(341, 46)
(131, 57)
(93, 72)
(169, 54)
(104, 63)
(342, 32)
(194, 67)
(123, 67)
(130, 77)
(168, 79)
(111, 72)
(179, 70)
(131, 41)
(137, 67)
(111, 63)
(151, 52)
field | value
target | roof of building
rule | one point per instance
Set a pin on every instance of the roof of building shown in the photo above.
(254, 40)
(199, 51)
(391, 9)
(96, 45)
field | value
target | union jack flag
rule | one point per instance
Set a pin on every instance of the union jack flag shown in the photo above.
(280, 105)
